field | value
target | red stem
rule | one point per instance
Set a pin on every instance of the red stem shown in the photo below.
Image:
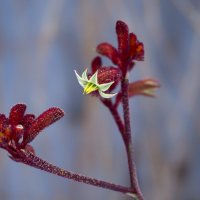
(115, 115)
(36, 162)
(128, 139)
(125, 130)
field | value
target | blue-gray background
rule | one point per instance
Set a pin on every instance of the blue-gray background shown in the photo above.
(43, 41)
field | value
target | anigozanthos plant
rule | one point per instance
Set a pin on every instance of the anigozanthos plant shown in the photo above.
(19, 129)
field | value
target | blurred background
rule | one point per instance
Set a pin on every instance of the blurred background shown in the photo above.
(43, 41)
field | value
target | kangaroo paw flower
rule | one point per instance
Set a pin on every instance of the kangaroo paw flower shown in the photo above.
(19, 129)
(90, 85)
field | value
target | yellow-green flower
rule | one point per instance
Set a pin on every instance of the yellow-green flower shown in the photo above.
(91, 84)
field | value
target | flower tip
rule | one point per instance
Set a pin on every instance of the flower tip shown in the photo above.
(121, 27)
(77, 75)
(82, 79)
(152, 83)
(57, 112)
(107, 96)
(19, 106)
(121, 23)
(17, 113)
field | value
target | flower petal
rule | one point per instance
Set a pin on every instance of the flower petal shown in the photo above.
(93, 78)
(105, 86)
(44, 120)
(81, 81)
(17, 113)
(84, 75)
(106, 96)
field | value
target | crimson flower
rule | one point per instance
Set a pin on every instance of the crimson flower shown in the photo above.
(19, 129)
(129, 49)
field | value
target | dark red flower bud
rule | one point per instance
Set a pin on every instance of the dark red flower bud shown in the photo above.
(17, 113)
(44, 120)
(109, 51)
(122, 36)
(108, 74)
(96, 64)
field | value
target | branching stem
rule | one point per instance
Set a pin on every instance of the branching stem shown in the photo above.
(36, 162)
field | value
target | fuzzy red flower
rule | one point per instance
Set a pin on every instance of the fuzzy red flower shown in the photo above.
(129, 49)
(19, 128)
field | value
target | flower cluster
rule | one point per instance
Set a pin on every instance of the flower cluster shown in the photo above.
(19, 129)
(129, 49)
(102, 80)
